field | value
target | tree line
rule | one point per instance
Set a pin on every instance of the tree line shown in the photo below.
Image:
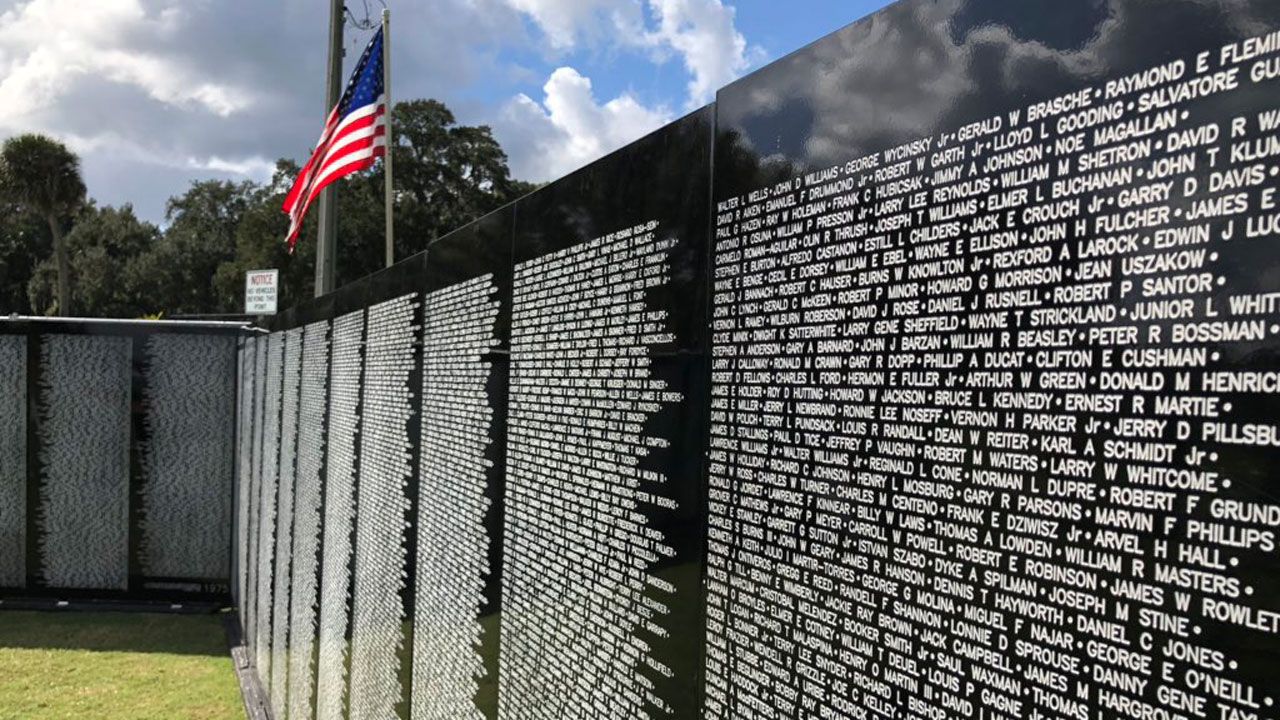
(64, 254)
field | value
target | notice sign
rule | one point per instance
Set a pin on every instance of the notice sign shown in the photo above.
(261, 292)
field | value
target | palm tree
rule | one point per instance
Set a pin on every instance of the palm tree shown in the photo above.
(43, 176)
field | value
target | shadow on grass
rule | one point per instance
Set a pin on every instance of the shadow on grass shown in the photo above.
(113, 632)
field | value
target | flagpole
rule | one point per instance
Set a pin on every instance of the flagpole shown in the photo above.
(389, 159)
(327, 245)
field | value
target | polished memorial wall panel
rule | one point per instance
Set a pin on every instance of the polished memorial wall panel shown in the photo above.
(379, 612)
(83, 522)
(338, 530)
(268, 495)
(188, 457)
(283, 564)
(466, 317)
(249, 605)
(459, 326)
(994, 345)
(308, 498)
(13, 461)
(600, 576)
(244, 460)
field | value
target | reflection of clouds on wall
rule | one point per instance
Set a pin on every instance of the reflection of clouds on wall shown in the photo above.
(84, 458)
(13, 461)
(187, 456)
(919, 68)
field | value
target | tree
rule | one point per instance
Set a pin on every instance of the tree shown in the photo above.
(259, 243)
(42, 176)
(24, 243)
(203, 223)
(446, 175)
(104, 249)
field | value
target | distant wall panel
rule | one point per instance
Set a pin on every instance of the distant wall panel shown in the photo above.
(268, 490)
(284, 522)
(345, 376)
(85, 435)
(188, 456)
(244, 474)
(13, 461)
(249, 606)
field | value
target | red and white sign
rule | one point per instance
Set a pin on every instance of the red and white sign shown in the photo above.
(261, 292)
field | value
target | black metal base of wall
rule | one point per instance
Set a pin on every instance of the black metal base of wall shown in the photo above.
(256, 706)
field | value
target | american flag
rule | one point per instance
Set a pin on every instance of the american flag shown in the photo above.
(355, 135)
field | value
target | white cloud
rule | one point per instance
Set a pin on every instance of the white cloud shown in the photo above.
(570, 128)
(701, 32)
(257, 168)
(566, 22)
(47, 45)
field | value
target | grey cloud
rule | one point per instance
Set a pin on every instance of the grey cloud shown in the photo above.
(140, 149)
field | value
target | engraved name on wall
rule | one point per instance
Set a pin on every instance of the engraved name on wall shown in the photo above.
(459, 329)
(308, 493)
(83, 522)
(378, 611)
(993, 415)
(578, 588)
(346, 374)
(13, 461)
(187, 456)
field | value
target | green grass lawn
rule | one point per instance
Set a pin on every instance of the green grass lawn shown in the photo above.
(111, 666)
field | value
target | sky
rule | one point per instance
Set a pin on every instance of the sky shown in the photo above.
(156, 94)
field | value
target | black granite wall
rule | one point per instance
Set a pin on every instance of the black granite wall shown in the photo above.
(930, 373)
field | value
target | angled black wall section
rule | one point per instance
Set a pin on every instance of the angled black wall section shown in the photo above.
(601, 541)
(951, 395)
(380, 601)
(996, 347)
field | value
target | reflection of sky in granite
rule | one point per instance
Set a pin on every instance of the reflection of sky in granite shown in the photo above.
(918, 68)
